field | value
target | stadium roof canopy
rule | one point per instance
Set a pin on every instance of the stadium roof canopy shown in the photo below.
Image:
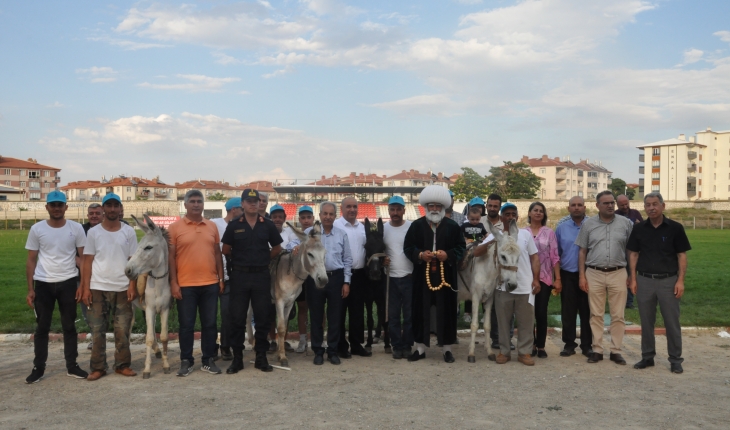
(328, 189)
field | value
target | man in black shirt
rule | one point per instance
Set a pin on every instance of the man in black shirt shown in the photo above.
(249, 244)
(658, 255)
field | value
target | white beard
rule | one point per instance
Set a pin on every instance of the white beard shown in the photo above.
(436, 217)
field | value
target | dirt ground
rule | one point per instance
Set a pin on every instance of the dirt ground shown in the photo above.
(379, 392)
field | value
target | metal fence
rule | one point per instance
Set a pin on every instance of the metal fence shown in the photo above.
(23, 220)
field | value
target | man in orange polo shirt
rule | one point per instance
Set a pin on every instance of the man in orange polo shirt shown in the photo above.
(196, 280)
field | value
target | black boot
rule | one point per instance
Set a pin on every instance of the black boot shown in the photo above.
(262, 363)
(237, 363)
(226, 353)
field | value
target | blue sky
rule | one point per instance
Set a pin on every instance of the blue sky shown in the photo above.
(301, 88)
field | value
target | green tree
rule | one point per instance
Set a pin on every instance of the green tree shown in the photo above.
(618, 187)
(469, 185)
(513, 181)
(217, 197)
(362, 198)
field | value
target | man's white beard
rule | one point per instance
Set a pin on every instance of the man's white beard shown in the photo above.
(436, 217)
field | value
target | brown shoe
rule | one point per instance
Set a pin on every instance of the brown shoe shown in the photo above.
(526, 359)
(501, 358)
(96, 374)
(125, 371)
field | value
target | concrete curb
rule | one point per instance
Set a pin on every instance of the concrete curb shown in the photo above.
(139, 337)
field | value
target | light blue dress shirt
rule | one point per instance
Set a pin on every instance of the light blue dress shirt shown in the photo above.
(566, 233)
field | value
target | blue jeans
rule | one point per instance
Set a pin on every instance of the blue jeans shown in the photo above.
(400, 299)
(205, 301)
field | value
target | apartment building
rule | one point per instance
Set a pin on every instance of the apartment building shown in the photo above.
(694, 168)
(36, 180)
(562, 179)
(127, 188)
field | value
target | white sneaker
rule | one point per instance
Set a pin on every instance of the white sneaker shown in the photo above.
(302, 347)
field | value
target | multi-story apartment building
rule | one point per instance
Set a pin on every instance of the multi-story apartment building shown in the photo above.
(563, 179)
(127, 188)
(697, 168)
(36, 180)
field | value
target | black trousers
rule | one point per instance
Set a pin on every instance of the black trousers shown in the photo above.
(46, 296)
(225, 300)
(542, 299)
(574, 302)
(331, 295)
(354, 304)
(254, 289)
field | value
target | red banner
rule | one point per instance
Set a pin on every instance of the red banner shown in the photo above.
(164, 221)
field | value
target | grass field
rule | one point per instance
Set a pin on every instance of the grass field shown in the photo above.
(705, 303)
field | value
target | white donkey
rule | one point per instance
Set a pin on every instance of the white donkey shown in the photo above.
(151, 259)
(288, 273)
(480, 277)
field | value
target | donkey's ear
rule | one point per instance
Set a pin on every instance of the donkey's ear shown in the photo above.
(494, 230)
(513, 230)
(317, 229)
(141, 225)
(298, 232)
(150, 223)
(380, 225)
(367, 225)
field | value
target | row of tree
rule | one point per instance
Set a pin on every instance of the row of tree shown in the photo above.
(511, 181)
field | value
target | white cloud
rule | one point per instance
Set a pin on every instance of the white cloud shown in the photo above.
(468, 1)
(436, 104)
(193, 83)
(280, 72)
(692, 56)
(190, 145)
(225, 59)
(723, 35)
(56, 105)
(128, 45)
(98, 74)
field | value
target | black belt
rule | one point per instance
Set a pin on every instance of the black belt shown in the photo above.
(360, 270)
(657, 275)
(606, 269)
(335, 272)
(249, 269)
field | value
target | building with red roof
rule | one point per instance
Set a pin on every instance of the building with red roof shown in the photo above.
(36, 180)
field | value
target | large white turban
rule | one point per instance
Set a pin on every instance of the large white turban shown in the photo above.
(435, 194)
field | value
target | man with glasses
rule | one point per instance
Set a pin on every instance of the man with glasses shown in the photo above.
(602, 273)
(434, 244)
(53, 248)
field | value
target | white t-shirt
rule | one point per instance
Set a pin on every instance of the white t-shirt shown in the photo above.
(56, 250)
(287, 235)
(394, 237)
(221, 224)
(524, 267)
(111, 251)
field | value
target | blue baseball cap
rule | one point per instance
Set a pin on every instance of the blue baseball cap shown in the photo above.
(451, 193)
(508, 205)
(110, 196)
(55, 196)
(233, 203)
(276, 208)
(476, 201)
(396, 200)
(306, 209)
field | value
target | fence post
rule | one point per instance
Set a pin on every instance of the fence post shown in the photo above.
(721, 222)
(694, 223)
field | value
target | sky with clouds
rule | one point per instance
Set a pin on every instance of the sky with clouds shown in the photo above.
(301, 88)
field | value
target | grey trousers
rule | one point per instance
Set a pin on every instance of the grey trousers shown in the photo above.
(649, 292)
(506, 305)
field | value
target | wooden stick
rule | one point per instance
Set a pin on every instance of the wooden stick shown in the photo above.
(274, 366)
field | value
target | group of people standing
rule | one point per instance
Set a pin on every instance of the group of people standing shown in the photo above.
(225, 261)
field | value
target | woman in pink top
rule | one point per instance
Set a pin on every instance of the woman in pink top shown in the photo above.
(547, 250)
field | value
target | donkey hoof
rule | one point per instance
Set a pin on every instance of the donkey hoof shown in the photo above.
(166, 370)
(472, 359)
(158, 354)
(492, 357)
(388, 350)
(146, 375)
(284, 363)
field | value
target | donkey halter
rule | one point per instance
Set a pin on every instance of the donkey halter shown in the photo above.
(498, 264)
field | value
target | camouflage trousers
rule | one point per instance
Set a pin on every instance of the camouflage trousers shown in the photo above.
(106, 304)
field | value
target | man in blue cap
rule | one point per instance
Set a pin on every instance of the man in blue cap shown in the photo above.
(249, 244)
(107, 290)
(53, 249)
(400, 289)
(233, 211)
(306, 220)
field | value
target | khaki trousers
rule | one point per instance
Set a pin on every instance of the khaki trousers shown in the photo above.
(613, 286)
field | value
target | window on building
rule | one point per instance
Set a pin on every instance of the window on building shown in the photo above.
(700, 157)
(35, 196)
(22, 172)
(402, 183)
(715, 164)
(7, 183)
(46, 173)
(35, 185)
(655, 188)
(715, 153)
(7, 172)
(580, 193)
(129, 189)
(700, 169)
(22, 183)
(655, 151)
(542, 170)
(129, 198)
(34, 173)
(714, 188)
(119, 188)
(655, 175)
(46, 185)
(580, 173)
(714, 176)
(655, 163)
